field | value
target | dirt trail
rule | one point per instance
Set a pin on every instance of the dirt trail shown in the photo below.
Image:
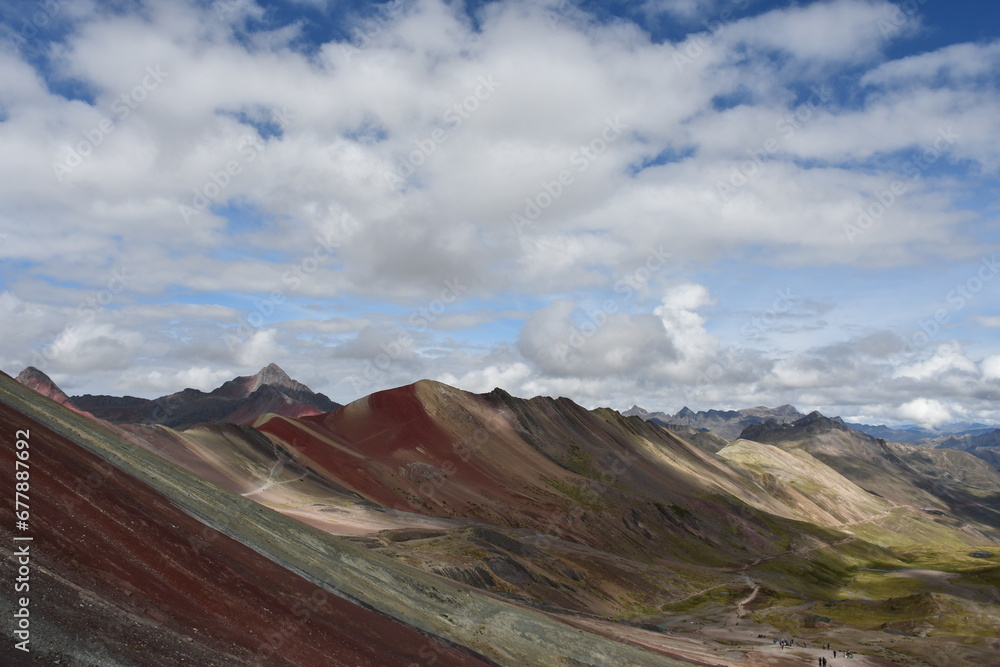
(740, 611)
(757, 561)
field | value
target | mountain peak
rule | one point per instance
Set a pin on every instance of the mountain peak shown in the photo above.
(812, 423)
(32, 374)
(35, 379)
(273, 375)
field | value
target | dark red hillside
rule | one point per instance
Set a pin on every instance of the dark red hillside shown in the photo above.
(121, 574)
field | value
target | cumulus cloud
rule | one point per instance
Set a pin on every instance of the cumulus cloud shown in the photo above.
(158, 382)
(927, 412)
(86, 347)
(948, 358)
(991, 367)
(260, 349)
(507, 376)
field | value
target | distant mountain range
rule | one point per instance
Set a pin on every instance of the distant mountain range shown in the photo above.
(240, 400)
(984, 445)
(725, 423)
(979, 439)
(920, 435)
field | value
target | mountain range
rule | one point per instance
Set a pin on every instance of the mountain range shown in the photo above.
(725, 423)
(491, 529)
(242, 399)
(979, 439)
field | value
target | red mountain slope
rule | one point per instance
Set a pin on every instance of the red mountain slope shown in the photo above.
(120, 574)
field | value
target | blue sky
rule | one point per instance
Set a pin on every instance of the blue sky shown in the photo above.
(668, 203)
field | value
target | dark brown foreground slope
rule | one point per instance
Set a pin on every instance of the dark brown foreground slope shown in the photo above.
(121, 576)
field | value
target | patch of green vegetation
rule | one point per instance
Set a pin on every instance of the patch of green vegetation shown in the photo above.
(680, 512)
(825, 574)
(635, 605)
(938, 558)
(907, 529)
(782, 620)
(475, 552)
(881, 586)
(578, 494)
(697, 552)
(984, 576)
(817, 577)
(769, 599)
(933, 613)
(579, 462)
(709, 600)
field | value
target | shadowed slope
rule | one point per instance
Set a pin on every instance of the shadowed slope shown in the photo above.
(613, 483)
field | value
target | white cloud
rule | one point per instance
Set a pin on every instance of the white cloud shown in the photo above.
(955, 62)
(991, 367)
(80, 348)
(946, 358)
(561, 340)
(155, 382)
(842, 30)
(507, 376)
(260, 349)
(927, 412)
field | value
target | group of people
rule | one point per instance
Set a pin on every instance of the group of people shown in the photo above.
(822, 661)
(846, 654)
